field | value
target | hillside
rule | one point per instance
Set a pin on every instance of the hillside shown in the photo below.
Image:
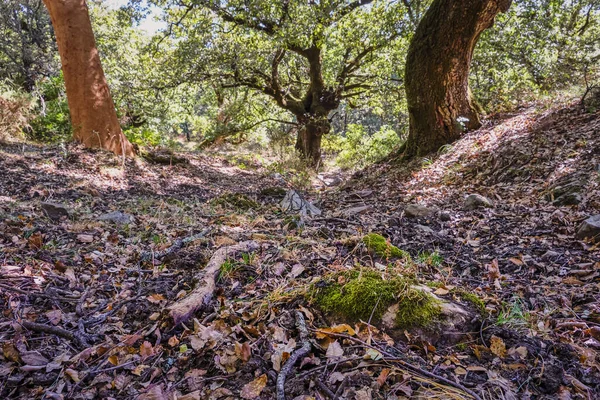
(94, 253)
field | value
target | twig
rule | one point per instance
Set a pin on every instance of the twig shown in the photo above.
(81, 338)
(80, 303)
(179, 243)
(38, 294)
(298, 354)
(325, 389)
(53, 330)
(340, 388)
(115, 367)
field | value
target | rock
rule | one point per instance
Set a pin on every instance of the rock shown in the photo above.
(474, 201)
(417, 211)
(293, 202)
(566, 191)
(590, 228)
(445, 216)
(55, 211)
(550, 255)
(425, 229)
(117, 217)
(453, 323)
(567, 199)
(349, 212)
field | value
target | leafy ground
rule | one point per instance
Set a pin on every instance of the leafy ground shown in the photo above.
(85, 301)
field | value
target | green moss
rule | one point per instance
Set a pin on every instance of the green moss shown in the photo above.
(366, 295)
(379, 246)
(434, 284)
(418, 308)
(238, 200)
(473, 299)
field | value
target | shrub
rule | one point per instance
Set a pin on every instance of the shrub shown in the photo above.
(357, 149)
(51, 122)
(15, 111)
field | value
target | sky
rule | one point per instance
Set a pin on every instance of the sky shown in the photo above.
(149, 24)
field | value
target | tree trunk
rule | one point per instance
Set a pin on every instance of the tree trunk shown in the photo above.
(437, 71)
(308, 141)
(92, 110)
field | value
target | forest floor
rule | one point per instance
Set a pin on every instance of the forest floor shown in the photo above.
(87, 297)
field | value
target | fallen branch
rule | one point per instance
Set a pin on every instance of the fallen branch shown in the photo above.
(297, 355)
(325, 389)
(80, 338)
(201, 296)
(179, 243)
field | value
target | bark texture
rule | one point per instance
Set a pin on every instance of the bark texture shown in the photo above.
(310, 132)
(92, 110)
(313, 109)
(440, 105)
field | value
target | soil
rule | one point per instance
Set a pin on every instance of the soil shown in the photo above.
(103, 304)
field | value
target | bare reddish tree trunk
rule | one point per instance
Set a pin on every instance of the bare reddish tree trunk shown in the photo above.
(92, 110)
(437, 71)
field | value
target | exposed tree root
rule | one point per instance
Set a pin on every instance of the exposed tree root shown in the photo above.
(182, 310)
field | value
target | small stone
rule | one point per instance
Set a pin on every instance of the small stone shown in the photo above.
(550, 255)
(55, 211)
(85, 238)
(590, 228)
(474, 201)
(117, 217)
(445, 216)
(349, 212)
(417, 211)
(424, 229)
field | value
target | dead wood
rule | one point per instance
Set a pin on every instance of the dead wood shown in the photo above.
(183, 309)
(297, 355)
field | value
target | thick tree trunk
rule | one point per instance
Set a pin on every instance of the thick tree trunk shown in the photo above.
(437, 71)
(308, 141)
(92, 110)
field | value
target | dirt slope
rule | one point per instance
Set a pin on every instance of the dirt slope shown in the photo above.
(85, 300)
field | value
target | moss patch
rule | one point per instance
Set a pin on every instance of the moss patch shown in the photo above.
(417, 309)
(473, 299)
(379, 246)
(359, 294)
(238, 200)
